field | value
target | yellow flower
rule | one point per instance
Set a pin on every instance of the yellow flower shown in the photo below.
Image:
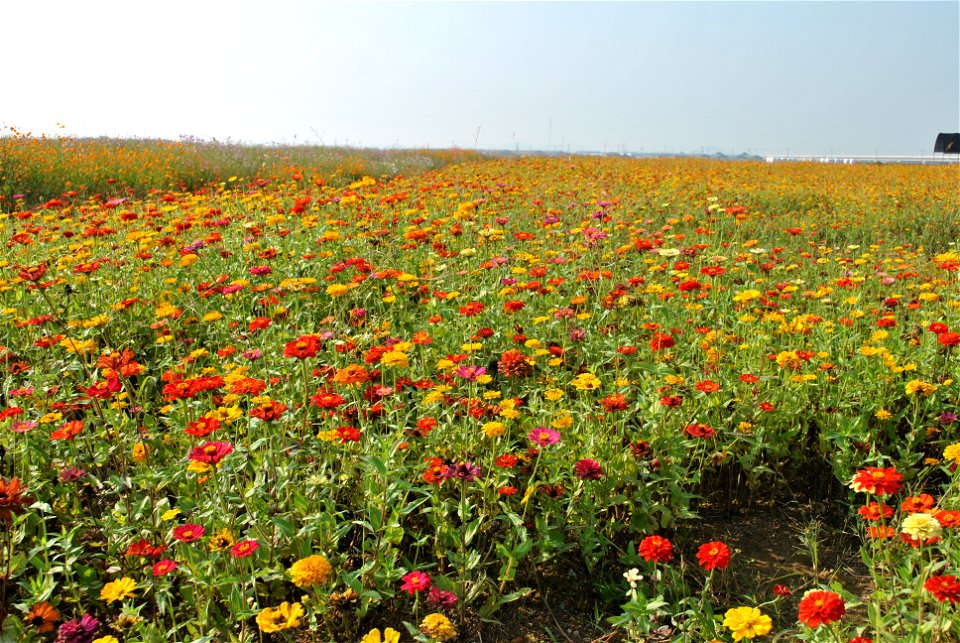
(310, 571)
(390, 635)
(170, 514)
(106, 639)
(337, 290)
(275, 619)
(586, 382)
(553, 394)
(919, 386)
(140, 452)
(921, 526)
(222, 541)
(438, 626)
(118, 590)
(747, 622)
(747, 295)
(952, 452)
(395, 358)
(493, 429)
(883, 414)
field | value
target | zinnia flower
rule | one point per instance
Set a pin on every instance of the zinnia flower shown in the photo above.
(818, 607)
(587, 469)
(118, 590)
(244, 548)
(877, 480)
(746, 623)
(275, 619)
(12, 499)
(656, 549)
(415, 582)
(542, 436)
(438, 626)
(945, 588)
(310, 571)
(188, 533)
(42, 616)
(921, 526)
(211, 452)
(79, 630)
(714, 555)
(390, 635)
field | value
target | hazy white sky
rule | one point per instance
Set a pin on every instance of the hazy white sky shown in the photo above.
(765, 77)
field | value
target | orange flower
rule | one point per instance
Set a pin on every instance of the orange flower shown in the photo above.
(12, 499)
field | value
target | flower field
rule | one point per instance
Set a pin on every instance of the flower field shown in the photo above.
(279, 407)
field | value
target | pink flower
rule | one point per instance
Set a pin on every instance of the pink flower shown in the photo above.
(542, 436)
(415, 582)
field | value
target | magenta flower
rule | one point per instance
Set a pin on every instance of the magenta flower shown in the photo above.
(415, 582)
(439, 599)
(470, 372)
(466, 471)
(542, 436)
(587, 469)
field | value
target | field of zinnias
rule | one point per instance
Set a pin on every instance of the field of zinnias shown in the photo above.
(283, 410)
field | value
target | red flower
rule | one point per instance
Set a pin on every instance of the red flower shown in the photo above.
(202, 427)
(915, 504)
(820, 608)
(613, 403)
(699, 430)
(415, 582)
(661, 341)
(211, 452)
(948, 339)
(244, 548)
(588, 469)
(655, 549)
(33, 273)
(708, 386)
(877, 480)
(945, 588)
(875, 511)
(348, 434)
(713, 555)
(164, 567)
(188, 533)
(302, 347)
(781, 590)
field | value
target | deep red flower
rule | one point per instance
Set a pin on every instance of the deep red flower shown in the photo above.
(587, 469)
(656, 549)
(713, 555)
(945, 588)
(820, 608)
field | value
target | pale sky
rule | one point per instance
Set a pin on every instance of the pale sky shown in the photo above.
(760, 77)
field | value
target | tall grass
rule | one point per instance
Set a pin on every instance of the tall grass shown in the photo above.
(34, 170)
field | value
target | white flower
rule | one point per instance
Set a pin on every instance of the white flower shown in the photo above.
(633, 577)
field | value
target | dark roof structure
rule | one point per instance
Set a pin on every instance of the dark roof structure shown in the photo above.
(947, 144)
